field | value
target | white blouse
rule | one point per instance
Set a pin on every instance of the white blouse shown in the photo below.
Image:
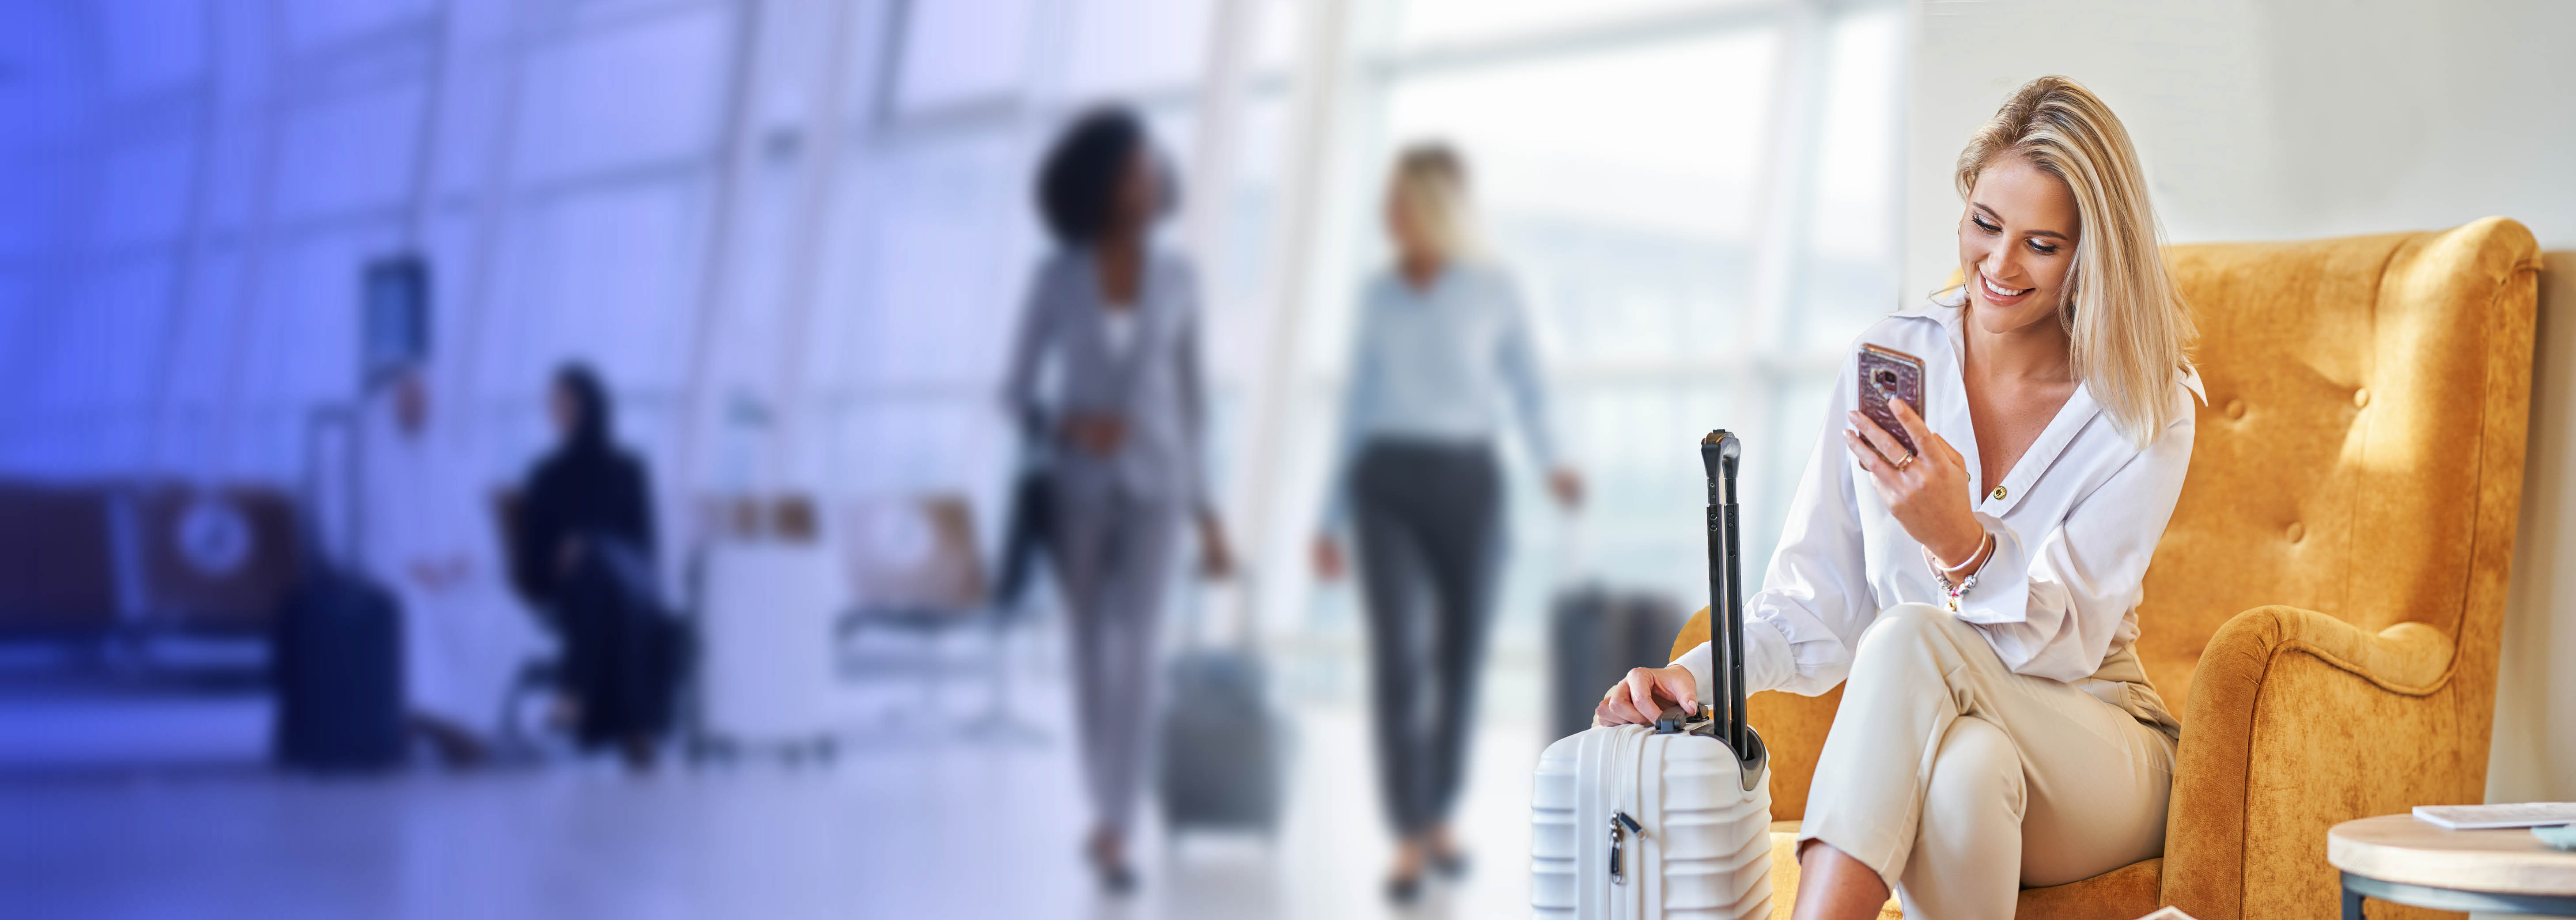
(2075, 522)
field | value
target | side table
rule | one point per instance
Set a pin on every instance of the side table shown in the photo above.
(2400, 859)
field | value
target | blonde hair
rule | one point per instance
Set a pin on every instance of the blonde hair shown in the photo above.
(2129, 328)
(1430, 182)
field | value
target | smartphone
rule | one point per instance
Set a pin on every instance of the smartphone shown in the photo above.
(1886, 372)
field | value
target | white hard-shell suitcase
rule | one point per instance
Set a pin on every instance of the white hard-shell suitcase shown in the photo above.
(1627, 823)
(765, 675)
(1632, 822)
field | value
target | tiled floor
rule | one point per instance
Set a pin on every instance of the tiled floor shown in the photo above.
(893, 828)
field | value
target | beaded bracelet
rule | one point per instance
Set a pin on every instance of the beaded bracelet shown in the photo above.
(1955, 587)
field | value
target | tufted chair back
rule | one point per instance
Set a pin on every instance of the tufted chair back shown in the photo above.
(2361, 451)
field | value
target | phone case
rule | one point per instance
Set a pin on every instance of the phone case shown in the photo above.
(1886, 372)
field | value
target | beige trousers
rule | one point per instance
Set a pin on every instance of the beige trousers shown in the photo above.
(1961, 782)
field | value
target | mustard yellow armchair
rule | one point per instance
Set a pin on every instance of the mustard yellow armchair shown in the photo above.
(2328, 599)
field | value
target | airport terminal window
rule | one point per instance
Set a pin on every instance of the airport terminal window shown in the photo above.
(1434, 23)
(1850, 267)
(963, 51)
(1123, 46)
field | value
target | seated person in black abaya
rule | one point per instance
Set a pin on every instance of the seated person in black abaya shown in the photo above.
(583, 556)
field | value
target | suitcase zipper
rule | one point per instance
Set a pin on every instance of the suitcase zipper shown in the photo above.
(1620, 827)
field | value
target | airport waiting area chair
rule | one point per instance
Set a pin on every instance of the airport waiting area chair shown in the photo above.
(125, 570)
(919, 578)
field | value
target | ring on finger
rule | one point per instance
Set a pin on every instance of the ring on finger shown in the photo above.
(1905, 461)
(1873, 454)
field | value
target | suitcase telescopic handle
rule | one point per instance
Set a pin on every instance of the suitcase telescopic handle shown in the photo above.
(1719, 454)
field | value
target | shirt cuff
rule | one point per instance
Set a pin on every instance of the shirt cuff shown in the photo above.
(1696, 661)
(1767, 665)
(1767, 662)
(2002, 594)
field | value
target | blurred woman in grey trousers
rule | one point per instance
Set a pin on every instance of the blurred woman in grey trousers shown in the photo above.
(1442, 344)
(1117, 323)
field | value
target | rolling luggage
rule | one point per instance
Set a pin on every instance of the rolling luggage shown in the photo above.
(336, 658)
(1595, 635)
(1224, 744)
(1673, 820)
(766, 670)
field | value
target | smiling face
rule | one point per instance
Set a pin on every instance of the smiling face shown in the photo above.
(2017, 245)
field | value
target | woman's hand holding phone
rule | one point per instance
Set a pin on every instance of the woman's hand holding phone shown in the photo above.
(1640, 698)
(1096, 433)
(1929, 494)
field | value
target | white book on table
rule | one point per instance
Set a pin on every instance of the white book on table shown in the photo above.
(2506, 814)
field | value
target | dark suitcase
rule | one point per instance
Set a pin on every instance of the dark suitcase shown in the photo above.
(1595, 636)
(1224, 746)
(336, 660)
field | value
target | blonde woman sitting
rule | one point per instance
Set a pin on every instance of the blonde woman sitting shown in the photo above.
(1980, 592)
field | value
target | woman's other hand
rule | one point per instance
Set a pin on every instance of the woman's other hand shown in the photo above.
(1215, 554)
(1097, 434)
(1642, 697)
(1567, 485)
(1329, 563)
(1928, 495)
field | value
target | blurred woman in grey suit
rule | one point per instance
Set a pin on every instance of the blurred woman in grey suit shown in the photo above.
(1116, 321)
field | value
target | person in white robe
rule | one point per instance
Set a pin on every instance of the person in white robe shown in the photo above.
(429, 536)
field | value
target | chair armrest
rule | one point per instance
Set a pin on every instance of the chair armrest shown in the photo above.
(2298, 721)
(1793, 729)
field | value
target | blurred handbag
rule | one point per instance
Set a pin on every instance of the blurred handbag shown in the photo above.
(1026, 528)
(1030, 522)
